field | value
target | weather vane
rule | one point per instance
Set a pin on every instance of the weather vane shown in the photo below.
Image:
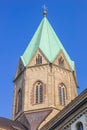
(44, 7)
(45, 10)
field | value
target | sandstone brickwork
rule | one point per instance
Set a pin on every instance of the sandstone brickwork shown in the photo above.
(51, 75)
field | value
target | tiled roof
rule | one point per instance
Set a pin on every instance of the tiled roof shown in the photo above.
(47, 41)
(11, 125)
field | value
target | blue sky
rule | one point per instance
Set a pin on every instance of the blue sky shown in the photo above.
(19, 20)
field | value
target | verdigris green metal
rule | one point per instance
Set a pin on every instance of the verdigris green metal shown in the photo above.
(47, 41)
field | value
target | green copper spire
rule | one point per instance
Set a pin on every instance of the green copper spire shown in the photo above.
(47, 41)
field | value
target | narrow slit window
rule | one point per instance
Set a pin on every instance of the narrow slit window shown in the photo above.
(38, 92)
(19, 101)
(41, 93)
(39, 59)
(62, 94)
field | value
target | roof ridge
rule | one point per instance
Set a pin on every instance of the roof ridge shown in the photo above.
(42, 26)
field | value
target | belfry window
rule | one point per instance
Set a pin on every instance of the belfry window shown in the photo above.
(39, 59)
(62, 94)
(79, 126)
(19, 101)
(38, 92)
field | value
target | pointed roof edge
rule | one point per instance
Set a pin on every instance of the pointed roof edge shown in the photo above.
(33, 39)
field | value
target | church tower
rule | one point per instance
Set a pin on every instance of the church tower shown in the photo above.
(45, 80)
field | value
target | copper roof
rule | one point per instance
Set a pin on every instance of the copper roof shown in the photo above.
(10, 124)
(48, 42)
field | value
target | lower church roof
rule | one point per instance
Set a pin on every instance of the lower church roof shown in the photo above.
(8, 124)
(69, 110)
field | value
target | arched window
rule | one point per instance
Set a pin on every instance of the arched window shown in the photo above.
(39, 59)
(62, 94)
(79, 126)
(38, 92)
(19, 101)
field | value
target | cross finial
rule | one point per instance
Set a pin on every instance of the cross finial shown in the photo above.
(44, 7)
(45, 12)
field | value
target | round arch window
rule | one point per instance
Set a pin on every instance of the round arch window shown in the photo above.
(80, 126)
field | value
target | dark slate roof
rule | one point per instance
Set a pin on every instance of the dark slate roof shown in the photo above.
(10, 124)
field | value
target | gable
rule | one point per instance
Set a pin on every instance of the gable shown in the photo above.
(61, 61)
(34, 60)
